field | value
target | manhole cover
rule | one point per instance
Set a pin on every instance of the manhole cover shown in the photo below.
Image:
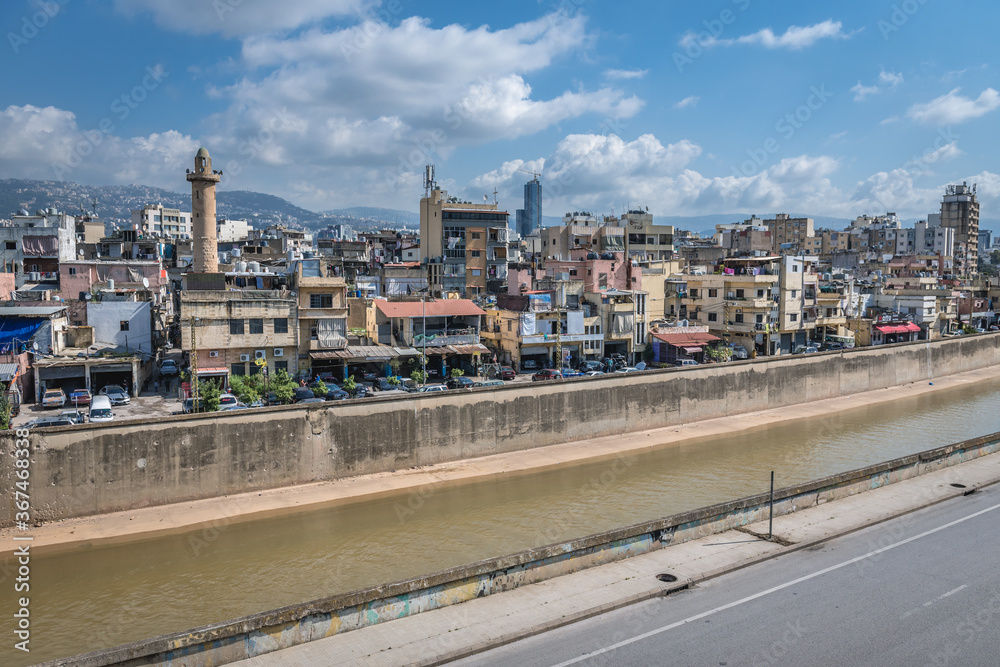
(669, 578)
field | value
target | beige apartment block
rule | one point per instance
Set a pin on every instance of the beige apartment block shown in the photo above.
(322, 310)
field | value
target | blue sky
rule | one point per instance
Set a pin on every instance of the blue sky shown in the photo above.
(688, 108)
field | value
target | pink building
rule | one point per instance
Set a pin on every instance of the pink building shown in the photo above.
(77, 278)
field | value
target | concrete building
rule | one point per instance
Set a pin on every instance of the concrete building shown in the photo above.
(122, 324)
(646, 240)
(532, 207)
(203, 180)
(446, 331)
(322, 312)
(31, 246)
(158, 221)
(788, 234)
(234, 329)
(463, 246)
(230, 231)
(960, 211)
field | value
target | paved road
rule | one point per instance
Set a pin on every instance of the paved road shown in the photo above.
(921, 590)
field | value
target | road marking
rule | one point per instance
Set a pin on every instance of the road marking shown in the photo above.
(775, 589)
(937, 599)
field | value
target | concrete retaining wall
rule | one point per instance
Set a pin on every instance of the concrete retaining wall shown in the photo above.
(271, 631)
(88, 469)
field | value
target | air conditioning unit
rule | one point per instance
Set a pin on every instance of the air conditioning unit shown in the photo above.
(244, 357)
(213, 353)
(260, 354)
(279, 352)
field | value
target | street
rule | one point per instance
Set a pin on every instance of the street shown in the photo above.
(919, 590)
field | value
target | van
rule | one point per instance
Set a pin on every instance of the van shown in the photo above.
(100, 410)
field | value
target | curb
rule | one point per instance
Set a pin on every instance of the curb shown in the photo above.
(689, 583)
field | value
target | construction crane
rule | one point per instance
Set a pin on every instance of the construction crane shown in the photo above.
(533, 173)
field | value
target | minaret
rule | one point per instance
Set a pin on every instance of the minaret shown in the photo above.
(203, 180)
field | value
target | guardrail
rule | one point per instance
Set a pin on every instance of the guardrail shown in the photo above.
(274, 630)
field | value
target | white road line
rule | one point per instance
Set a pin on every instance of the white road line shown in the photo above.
(775, 589)
(953, 591)
(937, 599)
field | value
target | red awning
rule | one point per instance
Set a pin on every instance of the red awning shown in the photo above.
(691, 350)
(213, 371)
(909, 327)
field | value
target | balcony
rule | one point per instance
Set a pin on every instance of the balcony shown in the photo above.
(441, 338)
(542, 339)
(749, 302)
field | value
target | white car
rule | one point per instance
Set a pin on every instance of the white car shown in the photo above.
(116, 394)
(227, 401)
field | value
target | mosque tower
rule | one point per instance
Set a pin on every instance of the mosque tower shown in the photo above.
(203, 180)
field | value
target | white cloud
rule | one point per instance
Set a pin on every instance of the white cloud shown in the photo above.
(889, 121)
(953, 108)
(793, 39)
(861, 91)
(625, 73)
(234, 18)
(687, 102)
(46, 143)
(890, 79)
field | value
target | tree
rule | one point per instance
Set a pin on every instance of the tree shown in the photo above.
(283, 387)
(210, 395)
(456, 372)
(418, 376)
(5, 408)
(245, 388)
(320, 388)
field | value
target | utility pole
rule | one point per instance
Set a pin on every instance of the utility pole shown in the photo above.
(194, 368)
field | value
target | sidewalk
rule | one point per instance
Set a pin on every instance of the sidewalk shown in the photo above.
(465, 629)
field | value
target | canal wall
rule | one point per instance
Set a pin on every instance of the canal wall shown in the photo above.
(270, 631)
(94, 469)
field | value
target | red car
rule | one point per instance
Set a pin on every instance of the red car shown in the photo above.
(79, 397)
(546, 374)
(507, 373)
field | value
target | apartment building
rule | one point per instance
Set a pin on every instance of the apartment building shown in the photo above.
(321, 310)
(157, 220)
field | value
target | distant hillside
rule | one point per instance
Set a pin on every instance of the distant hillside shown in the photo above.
(408, 218)
(707, 223)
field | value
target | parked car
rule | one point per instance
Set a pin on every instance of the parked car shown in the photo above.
(327, 377)
(74, 416)
(740, 352)
(310, 401)
(507, 373)
(229, 408)
(54, 398)
(303, 394)
(335, 393)
(429, 388)
(631, 369)
(80, 397)
(116, 393)
(529, 365)
(188, 407)
(489, 383)
(591, 365)
(833, 346)
(100, 410)
(805, 349)
(546, 374)
(593, 373)
(682, 363)
(168, 368)
(571, 373)
(42, 422)
(460, 382)
(228, 401)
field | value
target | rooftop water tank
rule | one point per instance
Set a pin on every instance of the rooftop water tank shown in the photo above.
(253, 267)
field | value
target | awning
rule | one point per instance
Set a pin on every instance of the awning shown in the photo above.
(908, 327)
(213, 371)
(691, 350)
(366, 353)
(8, 372)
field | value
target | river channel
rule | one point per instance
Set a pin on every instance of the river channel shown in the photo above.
(96, 597)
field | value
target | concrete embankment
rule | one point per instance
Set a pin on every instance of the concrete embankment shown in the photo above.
(264, 633)
(89, 470)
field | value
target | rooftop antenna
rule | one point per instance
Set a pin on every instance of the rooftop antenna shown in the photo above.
(94, 205)
(494, 195)
(429, 183)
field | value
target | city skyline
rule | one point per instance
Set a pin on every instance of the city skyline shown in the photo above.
(720, 108)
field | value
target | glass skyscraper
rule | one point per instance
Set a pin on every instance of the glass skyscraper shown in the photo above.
(532, 219)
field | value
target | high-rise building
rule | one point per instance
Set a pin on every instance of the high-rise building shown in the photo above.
(521, 223)
(463, 246)
(960, 211)
(532, 207)
(788, 234)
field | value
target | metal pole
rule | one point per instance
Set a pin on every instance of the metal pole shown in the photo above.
(770, 517)
(423, 351)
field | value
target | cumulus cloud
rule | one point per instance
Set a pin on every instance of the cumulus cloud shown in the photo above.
(887, 81)
(689, 101)
(861, 91)
(46, 143)
(890, 79)
(952, 108)
(793, 39)
(235, 18)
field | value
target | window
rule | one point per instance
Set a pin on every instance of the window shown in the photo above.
(256, 325)
(321, 301)
(572, 272)
(760, 294)
(123, 325)
(739, 294)
(759, 319)
(793, 317)
(239, 369)
(712, 293)
(509, 322)
(236, 327)
(312, 333)
(475, 253)
(281, 325)
(11, 245)
(477, 272)
(72, 270)
(739, 318)
(280, 366)
(694, 292)
(476, 236)
(713, 317)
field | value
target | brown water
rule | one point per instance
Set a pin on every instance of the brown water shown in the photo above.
(104, 596)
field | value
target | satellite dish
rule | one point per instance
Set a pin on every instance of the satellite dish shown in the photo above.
(88, 296)
(145, 283)
(34, 346)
